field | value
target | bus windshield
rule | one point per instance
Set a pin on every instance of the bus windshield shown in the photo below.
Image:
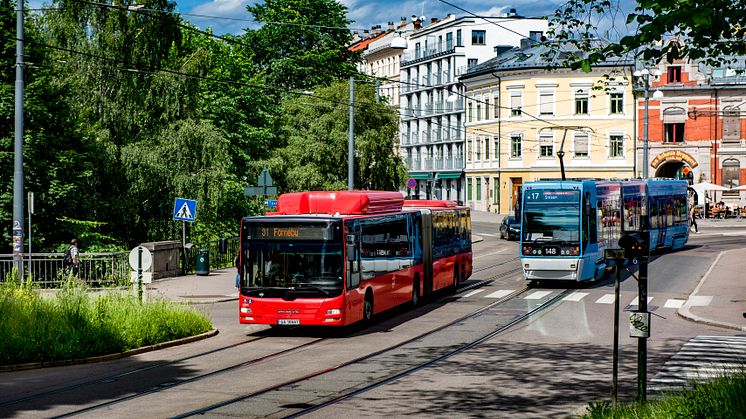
(551, 216)
(292, 260)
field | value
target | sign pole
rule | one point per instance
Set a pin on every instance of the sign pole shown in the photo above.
(183, 233)
(139, 273)
(615, 356)
(642, 307)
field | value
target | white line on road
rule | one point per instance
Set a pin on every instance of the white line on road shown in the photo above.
(576, 296)
(606, 299)
(475, 292)
(635, 301)
(499, 294)
(699, 300)
(538, 295)
(673, 303)
(490, 254)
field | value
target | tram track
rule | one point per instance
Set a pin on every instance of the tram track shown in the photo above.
(415, 354)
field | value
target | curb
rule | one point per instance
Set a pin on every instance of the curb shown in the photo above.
(109, 357)
(686, 313)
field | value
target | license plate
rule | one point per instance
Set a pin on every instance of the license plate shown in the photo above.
(551, 250)
(288, 322)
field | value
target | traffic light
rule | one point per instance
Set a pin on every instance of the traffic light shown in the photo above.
(633, 248)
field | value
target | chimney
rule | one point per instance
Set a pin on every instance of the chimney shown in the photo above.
(355, 37)
(525, 43)
(390, 27)
(374, 31)
(366, 35)
(512, 12)
(403, 22)
(433, 20)
(417, 24)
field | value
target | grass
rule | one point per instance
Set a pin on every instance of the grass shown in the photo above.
(721, 398)
(74, 325)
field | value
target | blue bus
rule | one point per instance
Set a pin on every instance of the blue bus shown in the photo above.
(567, 225)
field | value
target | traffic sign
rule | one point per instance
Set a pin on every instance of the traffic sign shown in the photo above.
(264, 178)
(411, 183)
(147, 258)
(271, 203)
(185, 209)
(147, 277)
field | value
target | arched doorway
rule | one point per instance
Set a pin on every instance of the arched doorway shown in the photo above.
(673, 170)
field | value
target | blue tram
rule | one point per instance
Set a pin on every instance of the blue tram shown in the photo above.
(567, 225)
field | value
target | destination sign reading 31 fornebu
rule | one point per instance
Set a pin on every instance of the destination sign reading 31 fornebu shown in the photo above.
(291, 232)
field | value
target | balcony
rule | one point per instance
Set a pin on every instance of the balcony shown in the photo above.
(428, 164)
(427, 53)
(404, 139)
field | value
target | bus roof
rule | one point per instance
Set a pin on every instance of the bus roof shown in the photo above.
(339, 202)
(429, 203)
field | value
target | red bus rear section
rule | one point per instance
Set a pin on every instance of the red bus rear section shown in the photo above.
(335, 258)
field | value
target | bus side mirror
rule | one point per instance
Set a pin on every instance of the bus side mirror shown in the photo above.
(632, 248)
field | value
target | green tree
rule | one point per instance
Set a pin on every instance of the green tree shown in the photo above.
(710, 31)
(302, 44)
(313, 131)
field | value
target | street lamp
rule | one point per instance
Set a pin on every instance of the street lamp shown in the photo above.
(645, 75)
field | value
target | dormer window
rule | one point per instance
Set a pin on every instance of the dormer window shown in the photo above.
(674, 74)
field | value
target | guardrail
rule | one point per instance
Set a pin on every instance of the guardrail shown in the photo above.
(47, 270)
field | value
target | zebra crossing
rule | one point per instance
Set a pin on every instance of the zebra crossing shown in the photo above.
(578, 296)
(700, 359)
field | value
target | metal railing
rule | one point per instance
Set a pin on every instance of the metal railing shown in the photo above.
(47, 270)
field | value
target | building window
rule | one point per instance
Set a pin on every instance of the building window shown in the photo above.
(468, 149)
(535, 36)
(469, 112)
(581, 102)
(486, 148)
(417, 51)
(674, 74)
(546, 146)
(515, 146)
(486, 107)
(449, 40)
(674, 133)
(515, 104)
(731, 169)
(581, 144)
(458, 38)
(496, 141)
(468, 189)
(496, 101)
(616, 103)
(731, 125)
(479, 111)
(478, 37)
(472, 62)
(478, 148)
(479, 189)
(546, 103)
(616, 146)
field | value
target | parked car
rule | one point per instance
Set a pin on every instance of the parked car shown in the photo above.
(510, 228)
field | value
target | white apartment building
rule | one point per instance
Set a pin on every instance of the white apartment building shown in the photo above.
(431, 98)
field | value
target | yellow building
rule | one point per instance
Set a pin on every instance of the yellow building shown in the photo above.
(519, 116)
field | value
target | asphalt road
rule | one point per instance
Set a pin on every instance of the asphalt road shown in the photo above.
(551, 366)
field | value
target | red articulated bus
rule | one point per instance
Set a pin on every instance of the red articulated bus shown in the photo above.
(335, 258)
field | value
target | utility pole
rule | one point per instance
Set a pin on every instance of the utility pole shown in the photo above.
(642, 322)
(351, 140)
(18, 152)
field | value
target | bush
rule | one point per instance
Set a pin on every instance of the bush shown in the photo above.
(74, 325)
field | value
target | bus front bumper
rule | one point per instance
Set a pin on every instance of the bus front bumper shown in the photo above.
(559, 269)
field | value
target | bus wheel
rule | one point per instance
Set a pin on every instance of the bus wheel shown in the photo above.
(368, 307)
(416, 293)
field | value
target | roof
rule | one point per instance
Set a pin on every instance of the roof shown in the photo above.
(362, 45)
(339, 202)
(539, 56)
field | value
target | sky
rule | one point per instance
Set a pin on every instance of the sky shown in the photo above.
(233, 17)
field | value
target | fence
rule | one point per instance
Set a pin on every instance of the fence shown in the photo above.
(107, 269)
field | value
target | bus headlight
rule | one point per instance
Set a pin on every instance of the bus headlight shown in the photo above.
(333, 311)
(246, 310)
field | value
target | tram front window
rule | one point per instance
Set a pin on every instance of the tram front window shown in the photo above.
(552, 217)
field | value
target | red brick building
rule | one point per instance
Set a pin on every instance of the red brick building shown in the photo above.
(697, 129)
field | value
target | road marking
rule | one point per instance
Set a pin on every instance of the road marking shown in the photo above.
(490, 254)
(538, 295)
(576, 296)
(699, 300)
(486, 234)
(499, 294)
(606, 299)
(475, 292)
(674, 303)
(635, 301)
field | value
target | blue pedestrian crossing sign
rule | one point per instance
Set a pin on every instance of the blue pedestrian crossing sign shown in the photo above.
(185, 209)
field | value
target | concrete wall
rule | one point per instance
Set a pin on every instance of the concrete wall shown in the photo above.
(166, 257)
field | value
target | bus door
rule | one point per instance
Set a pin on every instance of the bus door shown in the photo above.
(663, 209)
(354, 295)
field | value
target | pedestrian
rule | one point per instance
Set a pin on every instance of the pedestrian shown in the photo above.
(693, 220)
(71, 260)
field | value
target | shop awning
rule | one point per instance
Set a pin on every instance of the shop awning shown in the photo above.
(448, 175)
(421, 176)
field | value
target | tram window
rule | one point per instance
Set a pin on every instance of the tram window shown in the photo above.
(654, 213)
(669, 213)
